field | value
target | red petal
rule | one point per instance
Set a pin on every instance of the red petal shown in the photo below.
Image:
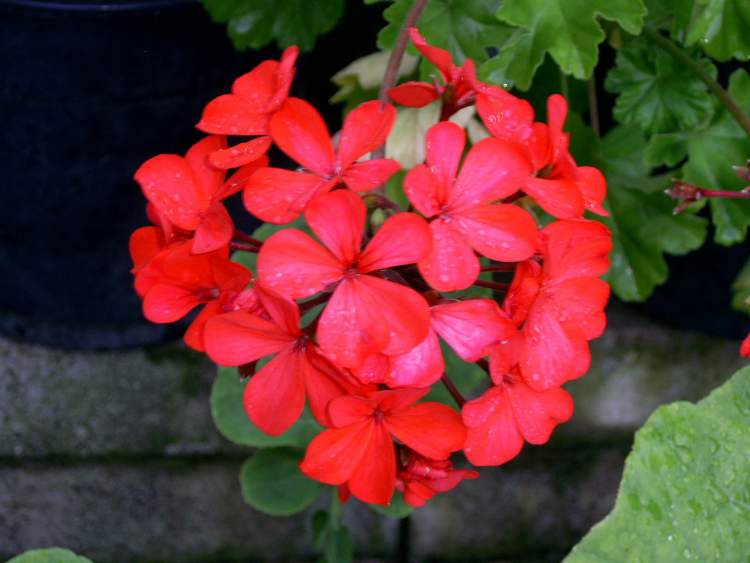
(559, 198)
(334, 454)
(492, 436)
(284, 312)
(537, 413)
(451, 264)
(348, 410)
(576, 249)
(228, 276)
(166, 303)
(240, 178)
(240, 154)
(423, 190)
(745, 347)
(502, 232)
(295, 266)
(414, 94)
(593, 188)
(284, 75)
(167, 182)
(207, 177)
(323, 382)
(444, 147)
(374, 479)
(232, 115)
(439, 57)
(470, 326)
(431, 429)
(395, 400)
(369, 174)
(215, 230)
(280, 196)
(557, 110)
(144, 244)
(275, 396)
(580, 301)
(194, 334)
(238, 338)
(403, 239)
(299, 130)
(365, 129)
(505, 115)
(338, 220)
(419, 367)
(367, 315)
(258, 86)
(492, 170)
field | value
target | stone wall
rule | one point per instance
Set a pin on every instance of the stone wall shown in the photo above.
(114, 455)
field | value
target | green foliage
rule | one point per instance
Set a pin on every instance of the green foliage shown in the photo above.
(272, 483)
(50, 555)
(397, 509)
(684, 493)
(566, 29)
(741, 290)
(711, 152)
(656, 92)
(466, 28)
(253, 24)
(330, 535)
(230, 418)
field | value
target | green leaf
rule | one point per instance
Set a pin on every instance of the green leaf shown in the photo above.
(566, 29)
(339, 546)
(711, 152)
(255, 23)
(641, 219)
(272, 483)
(684, 493)
(741, 290)
(50, 555)
(230, 418)
(466, 28)
(656, 92)
(397, 509)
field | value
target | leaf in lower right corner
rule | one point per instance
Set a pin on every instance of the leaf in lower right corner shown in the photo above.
(684, 493)
(50, 555)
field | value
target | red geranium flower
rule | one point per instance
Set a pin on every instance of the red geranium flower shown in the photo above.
(188, 192)
(745, 347)
(248, 109)
(275, 396)
(279, 196)
(358, 450)
(422, 478)
(366, 314)
(464, 218)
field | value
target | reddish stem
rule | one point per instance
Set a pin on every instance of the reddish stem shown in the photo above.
(492, 285)
(247, 238)
(453, 390)
(242, 246)
(687, 193)
(499, 268)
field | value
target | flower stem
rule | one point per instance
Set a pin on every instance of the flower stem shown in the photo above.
(453, 390)
(247, 238)
(687, 193)
(499, 268)
(593, 105)
(243, 246)
(492, 285)
(740, 116)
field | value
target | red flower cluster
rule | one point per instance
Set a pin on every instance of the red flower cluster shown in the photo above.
(374, 290)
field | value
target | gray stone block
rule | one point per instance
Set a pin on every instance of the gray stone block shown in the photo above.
(83, 403)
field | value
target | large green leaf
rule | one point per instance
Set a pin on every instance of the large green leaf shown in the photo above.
(741, 290)
(466, 28)
(656, 92)
(685, 493)
(711, 153)
(230, 418)
(272, 483)
(50, 555)
(255, 23)
(566, 29)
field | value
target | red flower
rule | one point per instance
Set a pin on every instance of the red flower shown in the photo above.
(187, 192)
(561, 305)
(745, 347)
(508, 414)
(358, 450)
(366, 314)
(255, 97)
(179, 281)
(280, 196)
(456, 90)
(422, 478)
(275, 396)
(464, 219)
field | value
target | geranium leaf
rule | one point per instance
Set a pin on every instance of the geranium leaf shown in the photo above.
(741, 290)
(566, 29)
(50, 555)
(253, 24)
(272, 483)
(656, 92)
(684, 493)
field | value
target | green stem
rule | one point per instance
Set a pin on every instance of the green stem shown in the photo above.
(334, 510)
(593, 104)
(740, 116)
(564, 89)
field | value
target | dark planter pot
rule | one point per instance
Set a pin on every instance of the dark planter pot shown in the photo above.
(89, 91)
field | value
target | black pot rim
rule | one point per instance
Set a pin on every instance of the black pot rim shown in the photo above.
(99, 6)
